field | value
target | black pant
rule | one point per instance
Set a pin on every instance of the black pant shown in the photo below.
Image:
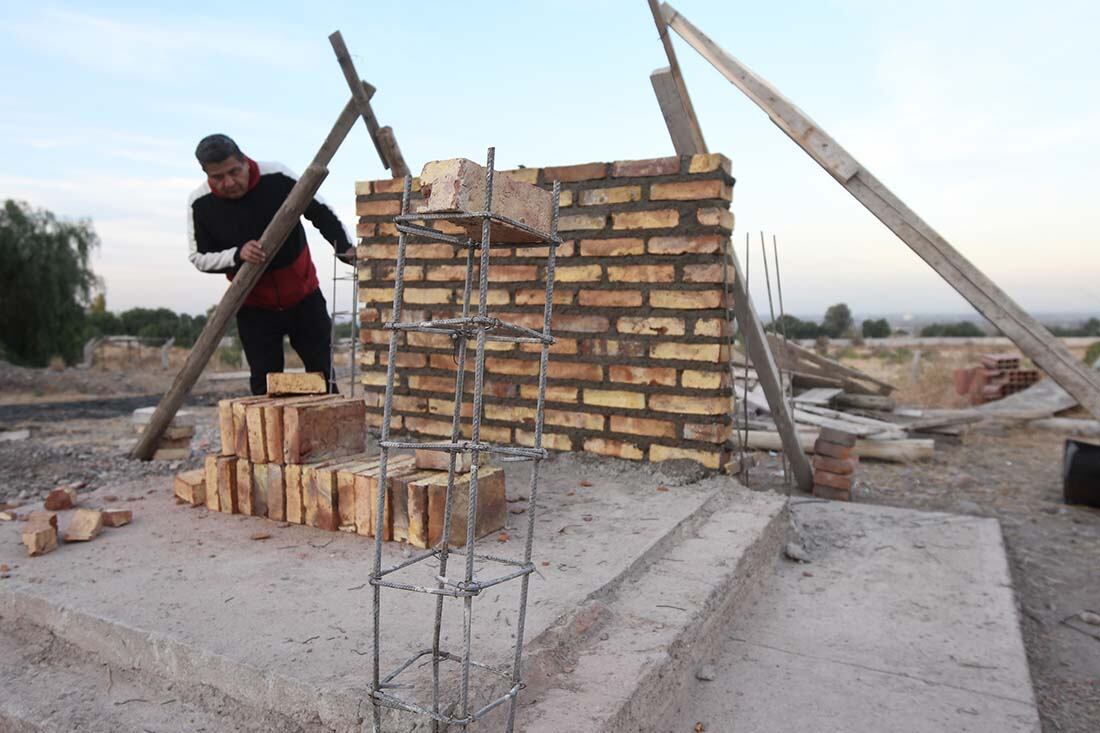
(307, 324)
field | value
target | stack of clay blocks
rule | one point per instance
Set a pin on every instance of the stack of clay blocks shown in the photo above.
(302, 459)
(834, 464)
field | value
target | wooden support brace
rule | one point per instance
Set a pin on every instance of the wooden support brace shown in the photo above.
(756, 344)
(270, 241)
(672, 96)
(382, 137)
(1032, 338)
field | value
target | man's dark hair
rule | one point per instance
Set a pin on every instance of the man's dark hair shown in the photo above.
(216, 148)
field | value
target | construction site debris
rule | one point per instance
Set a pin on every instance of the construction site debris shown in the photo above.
(60, 499)
(190, 487)
(44, 518)
(1081, 473)
(85, 525)
(281, 384)
(998, 376)
(117, 517)
(40, 539)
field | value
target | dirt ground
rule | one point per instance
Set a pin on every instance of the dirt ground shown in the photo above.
(80, 432)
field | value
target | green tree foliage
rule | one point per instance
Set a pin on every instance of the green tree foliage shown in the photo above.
(794, 328)
(876, 329)
(1091, 327)
(964, 329)
(46, 281)
(838, 319)
(155, 324)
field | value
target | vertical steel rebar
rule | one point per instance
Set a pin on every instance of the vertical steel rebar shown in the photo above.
(783, 330)
(387, 411)
(771, 309)
(532, 504)
(745, 402)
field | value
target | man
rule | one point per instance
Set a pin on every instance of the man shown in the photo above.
(225, 219)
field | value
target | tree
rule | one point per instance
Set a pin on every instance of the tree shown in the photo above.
(876, 329)
(964, 329)
(794, 328)
(837, 321)
(46, 280)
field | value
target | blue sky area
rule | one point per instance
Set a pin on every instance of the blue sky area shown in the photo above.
(982, 116)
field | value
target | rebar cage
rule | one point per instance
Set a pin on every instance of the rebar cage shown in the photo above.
(481, 328)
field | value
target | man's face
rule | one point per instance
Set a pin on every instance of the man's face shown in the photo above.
(229, 178)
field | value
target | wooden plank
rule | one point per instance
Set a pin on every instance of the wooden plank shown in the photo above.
(272, 239)
(693, 141)
(1047, 352)
(674, 112)
(756, 344)
(361, 93)
(817, 396)
(868, 422)
(866, 402)
(828, 367)
(902, 451)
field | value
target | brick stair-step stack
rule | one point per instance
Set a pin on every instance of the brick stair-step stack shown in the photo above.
(834, 464)
(302, 459)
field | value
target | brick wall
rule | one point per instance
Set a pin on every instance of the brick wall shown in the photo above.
(639, 369)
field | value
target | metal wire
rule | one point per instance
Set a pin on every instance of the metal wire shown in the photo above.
(789, 396)
(476, 330)
(771, 309)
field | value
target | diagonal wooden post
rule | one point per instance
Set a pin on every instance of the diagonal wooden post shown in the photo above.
(271, 241)
(1032, 338)
(672, 96)
(384, 141)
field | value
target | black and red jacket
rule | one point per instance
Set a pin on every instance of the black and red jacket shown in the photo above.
(218, 227)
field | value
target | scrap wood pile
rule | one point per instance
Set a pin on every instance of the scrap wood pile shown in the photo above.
(828, 395)
(299, 455)
(40, 528)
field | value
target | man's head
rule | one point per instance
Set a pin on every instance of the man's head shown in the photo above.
(225, 166)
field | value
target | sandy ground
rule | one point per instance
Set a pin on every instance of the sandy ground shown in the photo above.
(80, 432)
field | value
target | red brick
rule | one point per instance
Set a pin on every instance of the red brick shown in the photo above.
(833, 480)
(585, 324)
(832, 450)
(378, 208)
(839, 437)
(653, 376)
(708, 162)
(612, 247)
(537, 296)
(574, 370)
(554, 393)
(643, 426)
(715, 217)
(610, 298)
(649, 167)
(708, 432)
(689, 405)
(679, 244)
(838, 466)
(828, 492)
(571, 173)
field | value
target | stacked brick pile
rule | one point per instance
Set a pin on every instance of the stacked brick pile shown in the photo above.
(640, 367)
(303, 460)
(998, 376)
(834, 464)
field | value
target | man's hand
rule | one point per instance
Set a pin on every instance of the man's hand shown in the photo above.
(347, 256)
(252, 252)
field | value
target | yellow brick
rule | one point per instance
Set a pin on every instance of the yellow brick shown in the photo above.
(656, 219)
(376, 295)
(428, 295)
(715, 217)
(688, 405)
(575, 222)
(692, 299)
(612, 247)
(510, 413)
(651, 326)
(709, 327)
(377, 208)
(701, 380)
(565, 198)
(616, 448)
(614, 398)
(659, 453)
(362, 188)
(643, 426)
(617, 195)
(550, 441)
(641, 273)
(577, 273)
(691, 191)
(574, 419)
(523, 175)
(708, 162)
(554, 393)
(394, 185)
(687, 352)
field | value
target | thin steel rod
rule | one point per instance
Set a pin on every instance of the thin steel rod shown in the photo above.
(771, 309)
(387, 412)
(744, 343)
(783, 332)
(532, 506)
(354, 367)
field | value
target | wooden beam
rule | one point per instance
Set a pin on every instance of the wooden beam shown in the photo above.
(361, 92)
(1048, 353)
(756, 344)
(675, 113)
(270, 241)
(673, 96)
(910, 449)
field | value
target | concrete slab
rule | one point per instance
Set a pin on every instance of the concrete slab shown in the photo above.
(901, 621)
(283, 625)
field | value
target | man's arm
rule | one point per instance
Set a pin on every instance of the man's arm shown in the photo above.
(324, 218)
(202, 252)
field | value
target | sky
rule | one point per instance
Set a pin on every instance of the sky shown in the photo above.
(981, 116)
